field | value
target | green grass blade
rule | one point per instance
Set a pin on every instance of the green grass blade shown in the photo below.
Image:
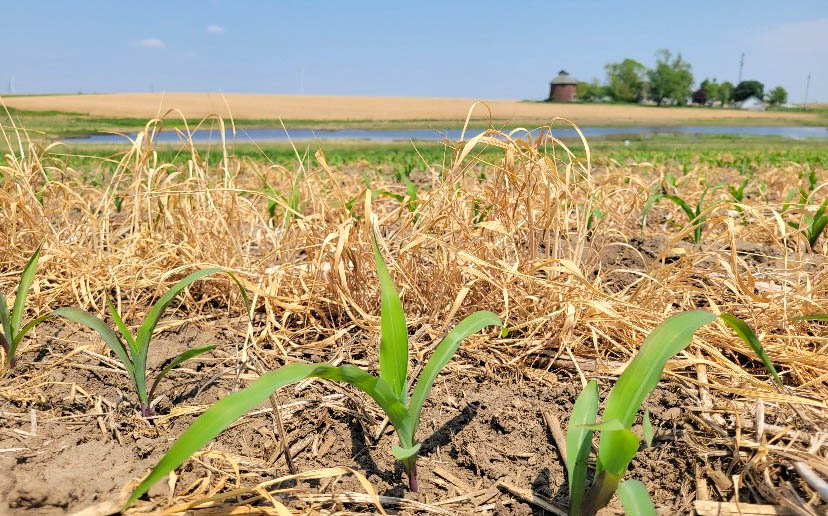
(183, 357)
(647, 426)
(231, 407)
(22, 289)
(393, 353)
(749, 337)
(442, 355)
(133, 347)
(579, 444)
(635, 499)
(810, 317)
(151, 321)
(109, 337)
(644, 371)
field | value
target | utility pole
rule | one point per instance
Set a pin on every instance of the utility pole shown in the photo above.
(741, 66)
(11, 85)
(807, 85)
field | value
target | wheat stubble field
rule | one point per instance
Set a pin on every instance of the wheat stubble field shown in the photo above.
(379, 109)
(580, 253)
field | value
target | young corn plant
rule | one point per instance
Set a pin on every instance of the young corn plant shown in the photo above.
(810, 226)
(813, 226)
(696, 216)
(12, 333)
(389, 390)
(133, 354)
(618, 444)
(737, 195)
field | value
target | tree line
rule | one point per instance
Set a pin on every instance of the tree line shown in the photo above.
(670, 82)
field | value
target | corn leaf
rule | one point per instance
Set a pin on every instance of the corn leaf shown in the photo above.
(810, 317)
(607, 425)
(225, 411)
(442, 355)
(635, 499)
(28, 326)
(403, 454)
(183, 357)
(109, 337)
(647, 425)
(579, 444)
(683, 205)
(643, 373)
(600, 492)
(5, 320)
(22, 289)
(393, 354)
(651, 201)
(151, 321)
(133, 347)
(622, 446)
(746, 334)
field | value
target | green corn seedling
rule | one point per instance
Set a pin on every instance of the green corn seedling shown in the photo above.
(696, 216)
(133, 354)
(737, 194)
(389, 390)
(811, 226)
(814, 226)
(618, 444)
(12, 333)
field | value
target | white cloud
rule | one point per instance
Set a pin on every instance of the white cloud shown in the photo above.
(151, 43)
(215, 29)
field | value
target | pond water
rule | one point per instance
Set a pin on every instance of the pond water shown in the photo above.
(384, 135)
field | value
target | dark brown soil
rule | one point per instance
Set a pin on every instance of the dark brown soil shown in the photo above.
(476, 431)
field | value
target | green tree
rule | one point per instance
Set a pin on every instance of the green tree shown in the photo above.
(747, 89)
(725, 95)
(672, 78)
(778, 96)
(589, 91)
(711, 88)
(625, 80)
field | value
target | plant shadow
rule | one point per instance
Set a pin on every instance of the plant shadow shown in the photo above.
(361, 447)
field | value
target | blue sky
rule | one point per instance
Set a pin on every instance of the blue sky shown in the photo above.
(453, 49)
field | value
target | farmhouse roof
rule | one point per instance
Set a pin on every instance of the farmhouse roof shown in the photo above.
(564, 78)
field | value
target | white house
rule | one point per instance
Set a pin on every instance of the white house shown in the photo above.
(752, 103)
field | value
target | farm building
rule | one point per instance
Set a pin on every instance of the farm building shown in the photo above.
(562, 87)
(753, 103)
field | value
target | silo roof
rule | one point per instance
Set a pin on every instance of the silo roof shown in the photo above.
(564, 78)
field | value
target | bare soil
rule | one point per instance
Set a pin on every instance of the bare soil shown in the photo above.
(477, 432)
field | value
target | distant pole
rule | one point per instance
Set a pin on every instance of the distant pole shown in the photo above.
(741, 66)
(807, 85)
(11, 85)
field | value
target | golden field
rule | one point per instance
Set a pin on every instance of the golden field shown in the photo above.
(299, 107)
